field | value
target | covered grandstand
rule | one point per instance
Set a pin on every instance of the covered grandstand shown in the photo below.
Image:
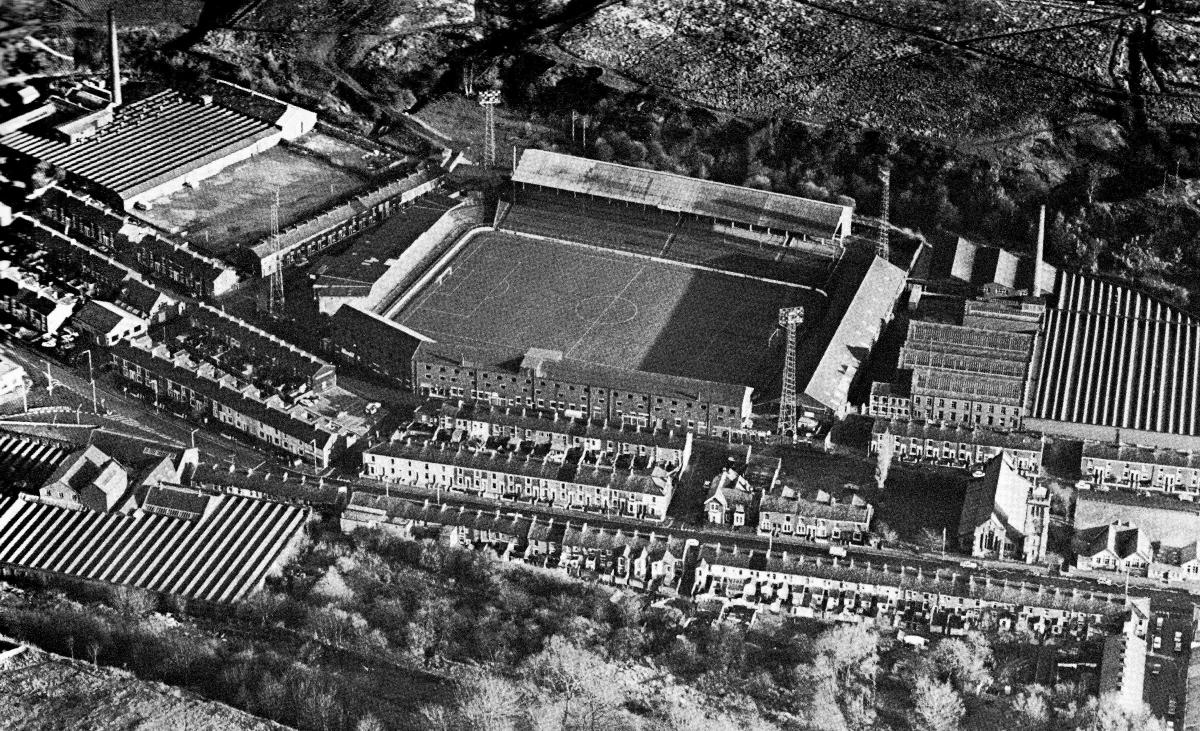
(1117, 365)
(756, 209)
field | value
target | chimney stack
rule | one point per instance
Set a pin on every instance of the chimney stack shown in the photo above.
(115, 60)
(1041, 253)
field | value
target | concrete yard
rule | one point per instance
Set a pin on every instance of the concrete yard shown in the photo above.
(508, 293)
(233, 208)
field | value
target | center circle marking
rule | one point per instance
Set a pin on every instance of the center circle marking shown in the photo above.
(605, 309)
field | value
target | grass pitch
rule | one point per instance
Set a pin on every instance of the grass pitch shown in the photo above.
(509, 293)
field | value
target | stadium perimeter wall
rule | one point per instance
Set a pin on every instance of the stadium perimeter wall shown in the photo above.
(390, 309)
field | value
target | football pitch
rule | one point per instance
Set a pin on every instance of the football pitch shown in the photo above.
(507, 293)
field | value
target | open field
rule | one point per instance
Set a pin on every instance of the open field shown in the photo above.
(233, 208)
(509, 293)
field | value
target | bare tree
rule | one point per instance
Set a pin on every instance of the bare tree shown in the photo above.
(884, 455)
(936, 706)
(93, 648)
(71, 645)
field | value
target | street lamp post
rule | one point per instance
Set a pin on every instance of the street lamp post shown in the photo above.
(193, 436)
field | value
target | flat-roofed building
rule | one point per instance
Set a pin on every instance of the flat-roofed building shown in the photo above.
(521, 474)
(957, 445)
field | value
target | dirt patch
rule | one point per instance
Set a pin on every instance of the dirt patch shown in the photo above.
(39, 690)
(233, 208)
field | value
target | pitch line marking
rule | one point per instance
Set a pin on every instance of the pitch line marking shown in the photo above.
(620, 296)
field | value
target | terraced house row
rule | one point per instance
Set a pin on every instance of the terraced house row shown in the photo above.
(893, 595)
(522, 473)
(635, 557)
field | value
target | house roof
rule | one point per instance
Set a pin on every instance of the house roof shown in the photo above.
(958, 434)
(1027, 593)
(1167, 521)
(599, 376)
(141, 296)
(857, 511)
(677, 193)
(103, 317)
(655, 482)
(1142, 455)
(552, 422)
(1122, 540)
(300, 430)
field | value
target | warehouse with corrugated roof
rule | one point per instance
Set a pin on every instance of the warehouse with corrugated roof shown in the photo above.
(1118, 365)
(158, 144)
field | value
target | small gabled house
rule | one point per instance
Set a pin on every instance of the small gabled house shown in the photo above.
(1118, 546)
(733, 494)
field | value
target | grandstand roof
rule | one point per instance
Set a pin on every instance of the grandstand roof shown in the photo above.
(671, 192)
(148, 142)
(1118, 358)
(858, 326)
(219, 557)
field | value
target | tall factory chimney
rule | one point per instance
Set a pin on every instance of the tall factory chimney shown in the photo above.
(1038, 289)
(115, 60)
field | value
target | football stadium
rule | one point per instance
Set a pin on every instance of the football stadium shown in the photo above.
(638, 296)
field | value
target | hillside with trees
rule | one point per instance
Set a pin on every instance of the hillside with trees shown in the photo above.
(369, 632)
